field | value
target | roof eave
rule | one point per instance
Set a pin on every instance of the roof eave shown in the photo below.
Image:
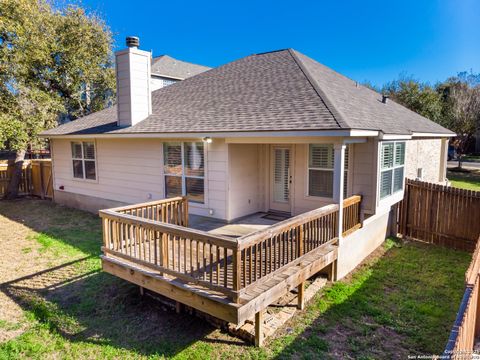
(223, 134)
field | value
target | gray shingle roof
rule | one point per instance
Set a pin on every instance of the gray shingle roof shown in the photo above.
(275, 91)
(167, 66)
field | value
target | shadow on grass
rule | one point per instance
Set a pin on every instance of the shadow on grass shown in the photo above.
(73, 228)
(402, 305)
(79, 304)
(98, 309)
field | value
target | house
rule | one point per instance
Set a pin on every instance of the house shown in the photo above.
(165, 70)
(271, 132)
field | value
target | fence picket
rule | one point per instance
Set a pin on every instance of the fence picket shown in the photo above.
(440, 215)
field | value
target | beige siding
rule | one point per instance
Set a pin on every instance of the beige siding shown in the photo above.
(425, 154)
(217, 178)
(363, 165)
(131, 170)
(244, 180)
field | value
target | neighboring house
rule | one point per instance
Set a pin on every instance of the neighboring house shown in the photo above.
(166, 70)
(275, 131)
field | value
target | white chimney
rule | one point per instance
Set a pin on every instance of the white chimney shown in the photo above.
(134, 101)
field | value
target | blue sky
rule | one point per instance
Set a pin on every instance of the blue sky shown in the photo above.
(364, 40)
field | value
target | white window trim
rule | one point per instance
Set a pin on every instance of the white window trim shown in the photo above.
(347, 169)
(397, 196)
(84, 179)
(183, 176)
(307, 194)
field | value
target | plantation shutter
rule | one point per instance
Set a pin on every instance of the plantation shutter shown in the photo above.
(320, 173)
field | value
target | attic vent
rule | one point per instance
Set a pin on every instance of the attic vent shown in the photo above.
(385, 98)
(133, 41)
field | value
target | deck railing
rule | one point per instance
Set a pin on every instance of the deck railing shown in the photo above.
(154, 235)
(266, 251)
(351, 214)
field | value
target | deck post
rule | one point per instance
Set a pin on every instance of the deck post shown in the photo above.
(237, 272)
(141, 291)
(338, 184)
(178, 307)
(259, 329)
(301, 296)
(332, 274)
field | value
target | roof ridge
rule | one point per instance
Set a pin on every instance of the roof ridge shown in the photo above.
(337, 115)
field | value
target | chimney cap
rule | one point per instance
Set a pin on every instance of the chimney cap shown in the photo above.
(133, 41)
(385, 98)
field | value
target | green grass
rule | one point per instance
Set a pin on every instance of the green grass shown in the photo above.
(469, 180)
(472, 157)
(403, 302)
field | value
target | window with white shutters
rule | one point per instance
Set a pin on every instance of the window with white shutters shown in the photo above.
(392, 164)
(320, 170)
(184, 168)
(83, 160)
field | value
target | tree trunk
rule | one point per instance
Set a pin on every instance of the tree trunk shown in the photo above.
(16, 177)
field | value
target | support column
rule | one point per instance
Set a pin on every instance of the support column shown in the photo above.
(338, 183)
(259, 328)
(301, 296)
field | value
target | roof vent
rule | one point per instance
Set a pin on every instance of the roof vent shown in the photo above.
(133, 41)
(385, 98)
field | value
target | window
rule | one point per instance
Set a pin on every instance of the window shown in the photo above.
(392, 161)
(320, 170)
(83, 159)
(184, 165)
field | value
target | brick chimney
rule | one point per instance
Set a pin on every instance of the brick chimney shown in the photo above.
(134, 101)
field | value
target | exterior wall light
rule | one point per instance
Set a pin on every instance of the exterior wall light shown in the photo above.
(207, 140)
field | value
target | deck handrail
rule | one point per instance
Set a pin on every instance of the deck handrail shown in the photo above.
(149, 203)
(176, 230)
(260, 235)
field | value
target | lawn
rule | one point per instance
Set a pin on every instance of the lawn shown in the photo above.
(467, 179)
(55, 302)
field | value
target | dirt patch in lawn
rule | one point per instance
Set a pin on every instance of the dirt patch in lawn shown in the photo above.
(19, 258)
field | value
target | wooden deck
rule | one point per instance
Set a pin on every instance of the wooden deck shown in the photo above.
(233, 279)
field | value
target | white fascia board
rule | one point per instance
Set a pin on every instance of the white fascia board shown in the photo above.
(437, 135)
(238, 134)
(394, 137)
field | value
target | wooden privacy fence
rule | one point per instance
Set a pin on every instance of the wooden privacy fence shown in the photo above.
(467, 323)
(155, 235)
(6, 174)
(440, 215)
(36, 178)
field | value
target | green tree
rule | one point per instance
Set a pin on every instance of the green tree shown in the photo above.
(417, 96)
(55, 63)
(461, 108)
